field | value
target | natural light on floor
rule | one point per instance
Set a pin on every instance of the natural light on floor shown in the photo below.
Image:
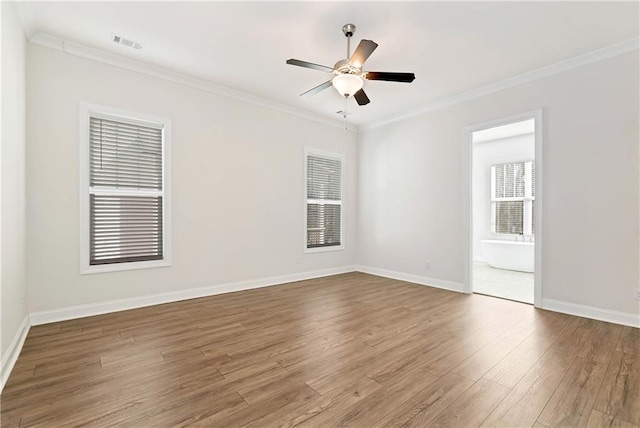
(508, 284)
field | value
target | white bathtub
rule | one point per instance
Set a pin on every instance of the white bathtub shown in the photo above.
(509, 255)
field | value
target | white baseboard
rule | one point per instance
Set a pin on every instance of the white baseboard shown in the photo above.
(11, 355)
(616, 317)
(81, 311)
(418, 279)
(607, 315)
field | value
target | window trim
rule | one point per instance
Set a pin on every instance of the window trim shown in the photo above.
(527, 201)
(331, 155)
(87, 110)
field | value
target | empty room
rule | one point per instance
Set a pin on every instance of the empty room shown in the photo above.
(315, 214)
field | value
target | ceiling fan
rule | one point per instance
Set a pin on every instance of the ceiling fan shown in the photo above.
(348, 76)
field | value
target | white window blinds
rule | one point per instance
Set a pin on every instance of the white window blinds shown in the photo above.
(124, 155)
(512, 198)
(510, 178)
(126, 192)
(324, 201)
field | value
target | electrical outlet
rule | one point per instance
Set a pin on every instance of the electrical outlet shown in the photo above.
(427, 265)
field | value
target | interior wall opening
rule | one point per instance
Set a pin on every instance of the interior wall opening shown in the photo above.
(503, 210)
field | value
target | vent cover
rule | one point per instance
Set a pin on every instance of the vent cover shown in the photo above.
(126, 42)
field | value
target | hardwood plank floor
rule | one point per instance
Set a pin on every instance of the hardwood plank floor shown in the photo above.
(348, 350)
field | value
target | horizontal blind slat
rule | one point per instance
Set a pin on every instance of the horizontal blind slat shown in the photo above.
(113, 260)
(108, 165)
(123, 149)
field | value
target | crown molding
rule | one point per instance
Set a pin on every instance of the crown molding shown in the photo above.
(79, 50)
(540, 73)
(115, 60)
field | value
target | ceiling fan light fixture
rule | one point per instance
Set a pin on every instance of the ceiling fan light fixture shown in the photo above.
(348, 74)
(347, 84)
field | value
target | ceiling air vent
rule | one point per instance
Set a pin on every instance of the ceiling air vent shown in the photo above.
(126, 42)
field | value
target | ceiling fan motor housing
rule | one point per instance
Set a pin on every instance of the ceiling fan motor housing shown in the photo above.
(343, 67)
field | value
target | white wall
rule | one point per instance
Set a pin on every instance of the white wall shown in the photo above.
(486, 154)
(411, 183)
(12, 166)
(238, 205)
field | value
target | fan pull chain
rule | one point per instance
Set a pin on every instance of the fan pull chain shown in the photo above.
(346, 121)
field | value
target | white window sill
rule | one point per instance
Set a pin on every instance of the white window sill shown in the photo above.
(505, 235)
(529, 239)
(323, 249)
(118, 267)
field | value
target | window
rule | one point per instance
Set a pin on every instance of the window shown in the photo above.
(125, 210)
(324, 174)
(513, 198)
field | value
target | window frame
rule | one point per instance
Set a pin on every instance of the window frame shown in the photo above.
(87, 111)
(527, 200)
(328, 155)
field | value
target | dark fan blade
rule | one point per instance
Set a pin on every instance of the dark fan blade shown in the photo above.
(361, 98)
(390, 77)
(306, 64)
(317, 89)
(362, 52)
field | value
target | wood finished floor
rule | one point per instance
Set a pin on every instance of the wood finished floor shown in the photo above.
(348, 350)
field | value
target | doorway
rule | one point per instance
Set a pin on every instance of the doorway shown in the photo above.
(504, 207)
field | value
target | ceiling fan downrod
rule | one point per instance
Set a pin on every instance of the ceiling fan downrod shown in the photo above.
(348, 30)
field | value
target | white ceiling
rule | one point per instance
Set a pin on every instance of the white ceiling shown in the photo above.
(451, 47)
